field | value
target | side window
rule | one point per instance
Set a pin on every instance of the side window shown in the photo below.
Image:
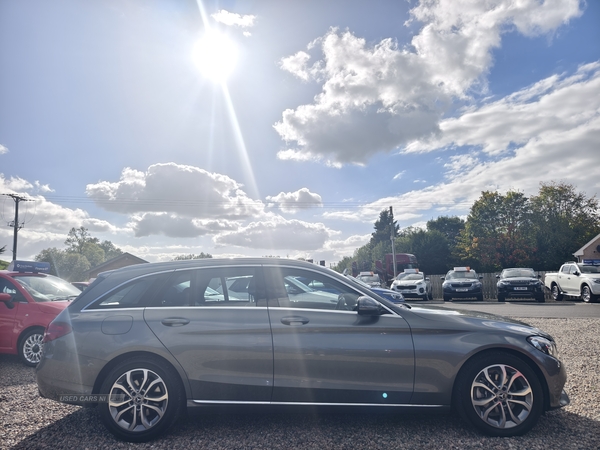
(230, 287)
(177, 290)
(131, 295)
(7, 287)
(301, 288)
(566, 268)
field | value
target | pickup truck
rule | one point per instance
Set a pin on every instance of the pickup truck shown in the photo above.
(575, 280)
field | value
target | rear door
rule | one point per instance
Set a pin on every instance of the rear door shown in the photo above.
(325, 353)
(221, 338)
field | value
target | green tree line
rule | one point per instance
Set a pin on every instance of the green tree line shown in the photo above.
(501, 230)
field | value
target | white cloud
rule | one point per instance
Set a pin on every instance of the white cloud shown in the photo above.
(172, 188)
(378, 98)
(277, 233)
(171, 225)
(292, 202)
(233, 19)
(3, 149)
(556, 104)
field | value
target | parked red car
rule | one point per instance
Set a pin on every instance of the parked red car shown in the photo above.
(29, 300)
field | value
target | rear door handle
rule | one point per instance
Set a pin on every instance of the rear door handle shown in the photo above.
(175, 321)
(294, 320)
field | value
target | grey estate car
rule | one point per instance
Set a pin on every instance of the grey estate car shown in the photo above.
(146, 341)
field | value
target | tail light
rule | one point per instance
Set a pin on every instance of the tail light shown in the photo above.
(56, 330)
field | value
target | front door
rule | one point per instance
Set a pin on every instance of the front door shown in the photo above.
(325, 353)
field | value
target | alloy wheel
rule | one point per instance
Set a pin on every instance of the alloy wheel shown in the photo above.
(501, 396)
(138, 400)
(32, 348)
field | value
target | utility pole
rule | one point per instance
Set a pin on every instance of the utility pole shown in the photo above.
(15, 224)
(392, 238)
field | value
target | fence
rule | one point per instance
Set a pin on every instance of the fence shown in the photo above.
(490, 291)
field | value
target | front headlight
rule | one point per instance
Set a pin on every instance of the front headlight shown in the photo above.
(502, 283)
(544, 345)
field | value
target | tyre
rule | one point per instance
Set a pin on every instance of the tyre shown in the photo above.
(556, 295)
(540, 299)
(31, 346)
(501, 298)
(499, 394)
(587, 296)
(430, 295)
(425, 298)
(145, 398)
(479, 297)
(447, 298)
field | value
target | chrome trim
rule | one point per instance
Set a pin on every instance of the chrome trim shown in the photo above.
(205, 307)
(233, 402)
(288, 308)
(113, 309)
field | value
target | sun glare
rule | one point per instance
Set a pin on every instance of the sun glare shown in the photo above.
(215, 56)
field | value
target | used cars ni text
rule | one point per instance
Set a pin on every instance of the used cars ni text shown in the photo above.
(29, 300)
(154, 339)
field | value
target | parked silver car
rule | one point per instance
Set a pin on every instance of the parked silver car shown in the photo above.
(144, 342)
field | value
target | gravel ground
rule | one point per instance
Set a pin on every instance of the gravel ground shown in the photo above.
(30, 422)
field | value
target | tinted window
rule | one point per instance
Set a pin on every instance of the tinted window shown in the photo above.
(230, 286)
(177, 290)
(290, 287)
(131, 295)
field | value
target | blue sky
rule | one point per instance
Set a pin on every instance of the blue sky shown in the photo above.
(323, 113)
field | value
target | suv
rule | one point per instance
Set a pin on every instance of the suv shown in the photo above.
(412, 283)
(462, 282)
(520, 283)
(29, 301)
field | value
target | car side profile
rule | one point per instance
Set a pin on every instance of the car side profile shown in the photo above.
(150, 340)
(29, 300)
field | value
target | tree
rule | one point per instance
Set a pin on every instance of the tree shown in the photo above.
(78, 238)
(83, 252)
(564, 220)
(498, 232)
(383, 229)
(110, 251)
(202, 255)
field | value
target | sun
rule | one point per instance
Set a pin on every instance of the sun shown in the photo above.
(215, 56)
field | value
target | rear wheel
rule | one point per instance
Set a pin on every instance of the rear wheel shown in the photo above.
(145, 398)
(556, 295)
(499, 394)
(31, 346)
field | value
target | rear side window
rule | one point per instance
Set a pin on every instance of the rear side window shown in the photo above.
(134, 294)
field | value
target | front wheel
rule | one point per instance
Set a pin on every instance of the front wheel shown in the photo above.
(145, 398)
(501, 298)
(31, 346)
(499, 394)
(480, 298)
(587, 296)
(556, 295)
(447, 298)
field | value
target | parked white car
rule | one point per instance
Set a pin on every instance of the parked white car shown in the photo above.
(413, 283)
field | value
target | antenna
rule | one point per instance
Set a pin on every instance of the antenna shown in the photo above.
(15, 224)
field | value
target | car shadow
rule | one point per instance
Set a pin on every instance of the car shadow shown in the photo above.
(275, 427)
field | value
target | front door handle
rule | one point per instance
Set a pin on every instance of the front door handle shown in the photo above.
(294, 320)
(175, 321)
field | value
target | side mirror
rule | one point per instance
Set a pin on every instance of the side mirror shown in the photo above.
(498, 276)
(366, 306)
(576, 273)
(481, 277)
(427, 279)
(7, 300)
(442, 278)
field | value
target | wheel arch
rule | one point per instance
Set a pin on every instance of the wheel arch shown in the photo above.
(127, 356)
(24, 332)
(532, 365)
